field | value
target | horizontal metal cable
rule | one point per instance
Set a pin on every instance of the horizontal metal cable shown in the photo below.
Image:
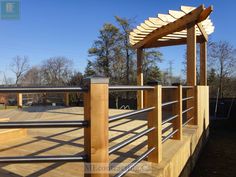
(43, 159)
(130, 140)
(40, 89)
(187, 87)
(188, 98)
(169, 119)
(129, 88)
(185, 123)
(128, 114)
(43, 124)
(134, 163)
(186, 110)
(169, 87)
(169, 136)
(169, 103)
(167, 128)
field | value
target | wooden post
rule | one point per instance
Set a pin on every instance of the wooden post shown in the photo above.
(139, 77)
(191, 70)
(96, 135)
(154, 98)
(19, 100)
(177, 110)
(67, 99)
(191, 56)
(203, 63)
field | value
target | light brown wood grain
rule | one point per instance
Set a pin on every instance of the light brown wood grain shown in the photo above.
(155, 120)
(96, 135)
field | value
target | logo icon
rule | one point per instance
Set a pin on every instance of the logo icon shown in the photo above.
(10, 10)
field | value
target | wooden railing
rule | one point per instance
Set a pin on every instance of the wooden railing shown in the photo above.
(96, 122)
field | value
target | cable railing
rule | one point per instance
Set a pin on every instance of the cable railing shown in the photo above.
(169, 119)
(129, 114)
(189, 104)
(96, 122)
(174, 119)
(41, 89)
(169, 135)
(128, 141)
(187, 110)
(129, 88)
(189, 120)
(43, 124)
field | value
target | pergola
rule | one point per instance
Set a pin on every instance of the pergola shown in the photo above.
(189, 25)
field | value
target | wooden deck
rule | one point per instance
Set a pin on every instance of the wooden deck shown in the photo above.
(63, 141)
(70, 141)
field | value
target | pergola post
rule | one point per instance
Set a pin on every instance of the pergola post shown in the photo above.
(203, 63)
(19, 100)
(66, 99)
(139, 77)
(191, 71)
(191, 56)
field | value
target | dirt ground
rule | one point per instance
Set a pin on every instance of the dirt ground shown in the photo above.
(218, 158)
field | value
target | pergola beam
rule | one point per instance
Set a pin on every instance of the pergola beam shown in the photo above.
(178, 25)
(173, 42)
(202, 30)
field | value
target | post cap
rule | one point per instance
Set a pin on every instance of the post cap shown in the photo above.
(96, 80)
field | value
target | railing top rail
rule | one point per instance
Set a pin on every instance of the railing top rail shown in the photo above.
(129, 88)
(43, 159)
(187, 87)
(40, 89)
(169, 87)
(128, 114)
(43, 124)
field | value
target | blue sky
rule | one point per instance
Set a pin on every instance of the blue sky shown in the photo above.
(68, 28)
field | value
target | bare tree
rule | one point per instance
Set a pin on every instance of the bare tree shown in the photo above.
(222, 59)
(32, 77)
(57, 71)
(19, 66)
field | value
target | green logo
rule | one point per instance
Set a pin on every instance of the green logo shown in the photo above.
(10, 10)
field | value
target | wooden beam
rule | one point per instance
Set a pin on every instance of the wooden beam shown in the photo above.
(182, 41)
(177, 110)
(140, 77)
(191, 70)
(205, 14)
(191, 56)
(203, 63)
(67, 99)
(96, 143)
(19, 100)
(154, 98)
(202, 30)
(175, 26)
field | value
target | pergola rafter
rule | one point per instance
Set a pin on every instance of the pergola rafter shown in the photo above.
(172, 26)
(189, 25)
